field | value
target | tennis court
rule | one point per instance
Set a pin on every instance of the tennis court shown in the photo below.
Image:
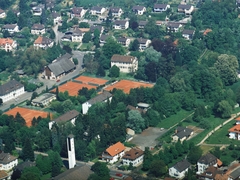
(127, 85)
(73, 87)
(91, 80)
(27, 114)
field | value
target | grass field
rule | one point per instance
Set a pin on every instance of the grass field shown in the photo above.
(172, 120)
(4, 77)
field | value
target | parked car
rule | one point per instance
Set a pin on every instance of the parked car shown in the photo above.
(119, 174)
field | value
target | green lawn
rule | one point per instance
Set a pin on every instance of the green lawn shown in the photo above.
(4, 77)
(172, 120)
(46, 176)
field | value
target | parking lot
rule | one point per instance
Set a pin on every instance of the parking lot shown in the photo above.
(148, 137)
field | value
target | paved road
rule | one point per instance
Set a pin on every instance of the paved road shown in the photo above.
(58, 34)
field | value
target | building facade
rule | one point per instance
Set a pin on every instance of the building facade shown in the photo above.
(126, 64)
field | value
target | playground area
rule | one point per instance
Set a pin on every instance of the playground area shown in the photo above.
(27, 114)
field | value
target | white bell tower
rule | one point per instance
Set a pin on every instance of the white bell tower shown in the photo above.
(71, 151)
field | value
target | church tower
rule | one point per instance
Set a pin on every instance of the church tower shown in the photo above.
(71, 151)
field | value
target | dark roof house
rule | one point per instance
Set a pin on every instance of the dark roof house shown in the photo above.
(38, 27)
(182, 165)
(9, 87)
(67, 116)
(121, 58)
(208, 159)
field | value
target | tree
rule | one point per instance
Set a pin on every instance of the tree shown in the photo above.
(11, 17)
(227, 66)
(194, 154)
(112, 47)
(100, 72)
(27, 151)
(101, 170)
(224, 109)
(114, 71)
(43, 163)
(56, 162)
(158, 168)
(32, 173)
(135, 121)
(83, 25)
(87, 37)
(134, 46)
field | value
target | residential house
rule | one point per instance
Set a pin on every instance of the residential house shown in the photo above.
(143, 43)
(160, 7)
(185, 8)
(59, 67)
(210, 173)
(16, 12)
(77, 35)
(126, 64)
(69, 116)
(77, 12)
(234, 132)
(124, 41)
(116, 12)
(96, 10)
(182, 133)
(142, 24)
(43, 42)
(113, 153)
(173, 26)
(139, 10)
(38, 29)
(7, 161)
(11, 90)
(67, 36)
(238, 3)
(57, 19)
(235, 174)
(103, 97)
(188, 34)
(7, 44)
(50, 4)
(37, 11)
(11, 28)
(44, 99)
(143, 106)
(103, 39)
(134, 156)
(100, 28)
(206, 161)
(121, 24)
(2, 13)
(179, 169)
(77, 173)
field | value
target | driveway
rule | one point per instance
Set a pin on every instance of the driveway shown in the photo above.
(148, 138)
(58, 34)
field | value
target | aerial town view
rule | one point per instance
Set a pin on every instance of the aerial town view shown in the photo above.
(119, 89)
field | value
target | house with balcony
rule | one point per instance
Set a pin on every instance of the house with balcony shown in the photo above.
(77, 35)
(100, 98)
(7, 161)
(161, 7)
(113, 153)
(124, 41)
(69, 116)
(59, 67)
(206, 161)
(187, 9)
(173, 26)
(121, 24)
(142, 24)
(11, 28)
(37, 11)
(43, 43)
(8, 44)
(44, 99)
(2, 13)
(11, 90)
(182, 133)
(103, 39)
(97, 10)
(38, 29)
(188, 34)
(77, 12)
(57, 18)
(116, 12)
(234, 132)
(126, 64)
(179, 169)
(134, 156)
(143, 43)
(139, 10)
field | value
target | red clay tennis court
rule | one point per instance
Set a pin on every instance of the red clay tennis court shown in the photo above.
(73, 87)
(27, 114)
(91, 80)
(127, 85)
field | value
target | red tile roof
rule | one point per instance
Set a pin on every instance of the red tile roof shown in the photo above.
(115, 149)
(4, 41)
(235, 129)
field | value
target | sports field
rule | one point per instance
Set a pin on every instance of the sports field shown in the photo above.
(27, 114)
(127, 85)
(91, 80)
(73, 87)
